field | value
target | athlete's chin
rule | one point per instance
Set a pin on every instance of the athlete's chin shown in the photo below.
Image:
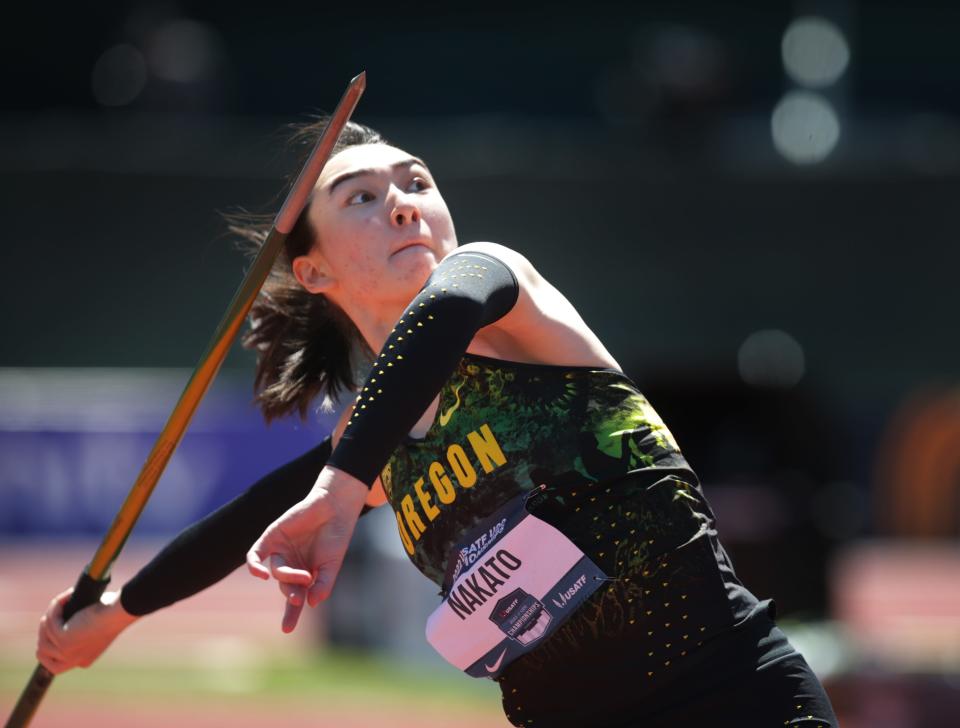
(414, 260)
(413, 268)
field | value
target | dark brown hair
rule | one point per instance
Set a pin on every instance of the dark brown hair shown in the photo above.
(306, 345)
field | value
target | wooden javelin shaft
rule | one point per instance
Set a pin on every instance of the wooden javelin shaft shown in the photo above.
(95, 577)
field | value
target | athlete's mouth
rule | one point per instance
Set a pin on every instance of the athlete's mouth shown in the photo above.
(410, 244)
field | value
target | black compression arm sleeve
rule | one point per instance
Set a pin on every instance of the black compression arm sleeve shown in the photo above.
(207, 551)
(466, 292)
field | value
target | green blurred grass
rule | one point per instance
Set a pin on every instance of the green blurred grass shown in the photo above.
(333, 678)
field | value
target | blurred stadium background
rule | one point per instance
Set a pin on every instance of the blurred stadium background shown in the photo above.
(750, 205)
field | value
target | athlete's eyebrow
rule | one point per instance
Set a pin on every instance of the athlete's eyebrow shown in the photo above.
(409, 162)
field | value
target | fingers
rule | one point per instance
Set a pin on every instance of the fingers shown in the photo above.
(255, 562)
(51, 623)
(49, 632)
(323, 585)
(46, 648)
(303, 551)
(318, 592)
(50, 655)
(282, 572)
(294, 593)
(293, 583)
(292, 611)
(53, 664)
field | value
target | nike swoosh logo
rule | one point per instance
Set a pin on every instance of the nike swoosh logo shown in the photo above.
(445, 416)
(496, 665)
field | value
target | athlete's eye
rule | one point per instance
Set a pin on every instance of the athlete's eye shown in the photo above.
(358, 198)
(418, 184)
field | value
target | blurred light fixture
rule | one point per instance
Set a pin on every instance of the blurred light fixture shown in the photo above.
(815, 52)
(771, 358)
(118, 76)
(805, 127)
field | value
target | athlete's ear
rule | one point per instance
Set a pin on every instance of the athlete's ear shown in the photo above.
(311, 274)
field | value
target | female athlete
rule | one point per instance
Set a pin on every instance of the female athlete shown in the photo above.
(576, 555)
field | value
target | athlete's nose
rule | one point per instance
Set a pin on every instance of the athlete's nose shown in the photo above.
(404, 211)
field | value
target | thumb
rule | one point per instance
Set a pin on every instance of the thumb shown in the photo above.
(58, 603)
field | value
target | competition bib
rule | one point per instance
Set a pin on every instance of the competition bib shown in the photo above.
(510, 583)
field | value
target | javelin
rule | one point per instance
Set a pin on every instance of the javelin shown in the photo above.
(94, 579)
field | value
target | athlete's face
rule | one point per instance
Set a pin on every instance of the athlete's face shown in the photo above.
(381, 227)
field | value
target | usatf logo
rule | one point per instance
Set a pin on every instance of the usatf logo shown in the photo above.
(566, 596)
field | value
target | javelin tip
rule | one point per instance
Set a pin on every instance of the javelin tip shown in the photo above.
(359, 81)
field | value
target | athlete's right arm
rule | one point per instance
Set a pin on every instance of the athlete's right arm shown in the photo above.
(201, 555)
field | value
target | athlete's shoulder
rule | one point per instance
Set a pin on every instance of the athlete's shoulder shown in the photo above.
(536, 298)
(543, 326)
(496, 250)
(522, 268)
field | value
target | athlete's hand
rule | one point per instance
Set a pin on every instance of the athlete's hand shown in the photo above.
(304, 548)
(84, 638)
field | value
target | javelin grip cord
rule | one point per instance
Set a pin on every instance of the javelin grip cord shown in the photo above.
(86, 592)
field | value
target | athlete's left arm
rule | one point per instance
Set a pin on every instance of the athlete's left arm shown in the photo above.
(469, 289)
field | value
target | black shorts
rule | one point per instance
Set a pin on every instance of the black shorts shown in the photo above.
(752, 678)
(782, 693)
